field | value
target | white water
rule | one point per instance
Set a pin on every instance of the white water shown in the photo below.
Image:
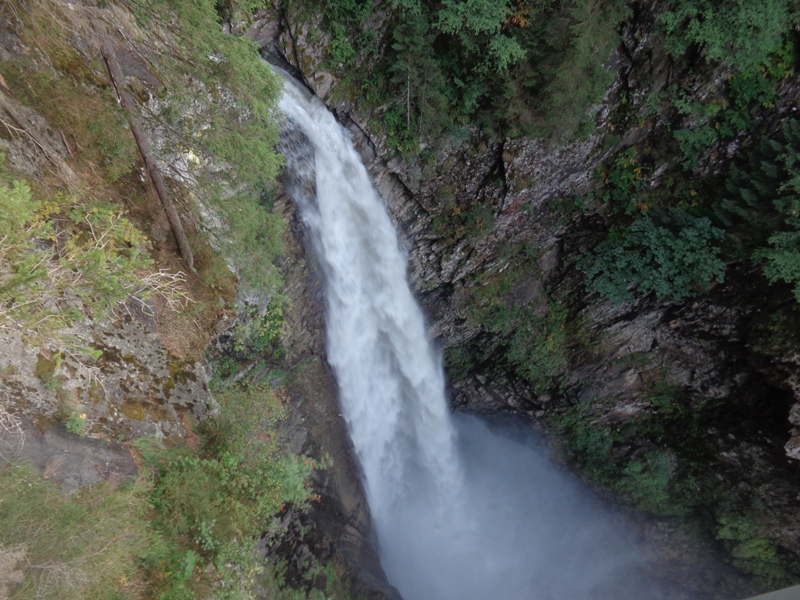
(460, 512)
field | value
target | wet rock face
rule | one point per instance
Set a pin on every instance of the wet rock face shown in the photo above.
(338, 528)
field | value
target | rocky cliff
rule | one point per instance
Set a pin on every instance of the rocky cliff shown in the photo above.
(687, 409)
(683, 408)
(76, 399)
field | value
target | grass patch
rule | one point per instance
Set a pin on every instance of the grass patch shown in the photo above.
(88, 545)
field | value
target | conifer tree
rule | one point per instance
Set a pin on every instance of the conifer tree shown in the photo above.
(417, 73)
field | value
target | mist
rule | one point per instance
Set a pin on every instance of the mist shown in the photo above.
(519, 528)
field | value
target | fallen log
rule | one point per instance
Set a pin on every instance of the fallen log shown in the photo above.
(118, 82)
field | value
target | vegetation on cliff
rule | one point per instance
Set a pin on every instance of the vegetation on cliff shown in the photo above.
(432, 67)
(715, 189)
(81, 242)
(692, 208)
(187, 526)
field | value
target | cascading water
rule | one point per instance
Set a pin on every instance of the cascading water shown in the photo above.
(460, 513)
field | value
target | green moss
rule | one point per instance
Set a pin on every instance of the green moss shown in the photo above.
(45, 367)
(134, 411)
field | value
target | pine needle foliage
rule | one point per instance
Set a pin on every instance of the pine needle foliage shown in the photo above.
(762, 206)
(513, 67)
(220, 108)
(737, 33)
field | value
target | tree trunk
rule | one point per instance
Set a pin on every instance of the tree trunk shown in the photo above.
(118, 81)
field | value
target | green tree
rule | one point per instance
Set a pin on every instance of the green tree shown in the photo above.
(674, 258)
(737, 33)
(583, 37)
(479, 25)
(417, 73)
(762, 206)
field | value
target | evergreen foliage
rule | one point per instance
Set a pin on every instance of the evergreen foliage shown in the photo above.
(416, 69)
(515, 66)
(674, 257)
(762, 206)
(220, 107)
(737, 33)
(59, 250)
(578, 78)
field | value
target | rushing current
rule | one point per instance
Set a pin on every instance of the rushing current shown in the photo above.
(460, 511)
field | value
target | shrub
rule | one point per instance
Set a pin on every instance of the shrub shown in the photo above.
(260, 332)
(590, 442)
(533, 336)
(692, 142)
(624, 179)
(752, 552)
(675, 259)
(781, 260)
(220, 497)
(647, 480)
(56, 250)
(537, 345)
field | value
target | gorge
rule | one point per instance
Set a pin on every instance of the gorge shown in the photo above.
(597, 216)
(449, 498)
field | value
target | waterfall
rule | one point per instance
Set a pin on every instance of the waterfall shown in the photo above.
(460, 512)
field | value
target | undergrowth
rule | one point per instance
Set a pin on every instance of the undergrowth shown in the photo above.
(87, 545)
(187, 527)
(663, 462)
(534, 333)
(72, 251)
(65, 257)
